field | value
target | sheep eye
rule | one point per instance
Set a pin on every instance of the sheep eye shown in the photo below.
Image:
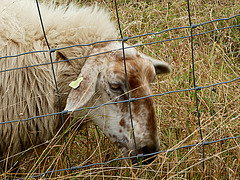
(115, 86)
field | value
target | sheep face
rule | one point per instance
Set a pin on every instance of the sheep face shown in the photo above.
(105, 81)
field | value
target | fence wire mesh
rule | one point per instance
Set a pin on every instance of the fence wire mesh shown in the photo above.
(195, 88)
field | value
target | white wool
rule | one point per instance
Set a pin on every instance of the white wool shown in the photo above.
(31, 91)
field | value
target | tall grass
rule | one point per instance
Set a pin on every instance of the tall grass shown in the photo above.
(217, 59)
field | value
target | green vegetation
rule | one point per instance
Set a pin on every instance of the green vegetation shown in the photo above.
(217, 59)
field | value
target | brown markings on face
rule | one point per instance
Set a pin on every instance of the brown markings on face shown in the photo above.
(140, 72)
(151, 121)
(140, 75)
(114, 136)
(122, 123)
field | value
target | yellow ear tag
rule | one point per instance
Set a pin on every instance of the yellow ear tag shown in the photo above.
(75, 84)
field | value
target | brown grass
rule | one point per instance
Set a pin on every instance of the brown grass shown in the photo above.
(217, 59)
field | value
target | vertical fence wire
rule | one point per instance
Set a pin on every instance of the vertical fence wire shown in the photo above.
(125, 68)
(55, 80)
(194, 82)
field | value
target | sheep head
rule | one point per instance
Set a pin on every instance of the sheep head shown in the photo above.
(104, 80)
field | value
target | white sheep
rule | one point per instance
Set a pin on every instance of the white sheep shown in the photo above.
(30, 92)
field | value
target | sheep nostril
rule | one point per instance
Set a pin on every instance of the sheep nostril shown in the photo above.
(145, 150)
(148, 150)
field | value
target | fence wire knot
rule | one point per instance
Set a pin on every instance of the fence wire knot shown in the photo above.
(65, 112)
(132, 99)
(125, 39)
(198, 87)
(194, 26)
(140, 156)
(52, 50)
(206, 143)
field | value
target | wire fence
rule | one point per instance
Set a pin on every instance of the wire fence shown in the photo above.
(129, 100)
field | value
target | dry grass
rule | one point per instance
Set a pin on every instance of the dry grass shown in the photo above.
(217, 59)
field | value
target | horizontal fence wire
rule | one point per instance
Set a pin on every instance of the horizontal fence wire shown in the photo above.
(126, 38)
(105, 52)
(132, 157)
(123, 39)
(124, 101)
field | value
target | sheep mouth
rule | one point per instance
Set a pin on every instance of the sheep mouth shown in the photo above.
(143, 159)
(138, 159)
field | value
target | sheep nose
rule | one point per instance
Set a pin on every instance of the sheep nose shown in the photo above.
(151, 150)
(148, 149)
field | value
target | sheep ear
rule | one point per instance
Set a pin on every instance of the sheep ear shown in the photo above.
(161, 67)
(80, 96)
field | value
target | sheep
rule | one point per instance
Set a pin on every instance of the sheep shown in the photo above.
(30, 92)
